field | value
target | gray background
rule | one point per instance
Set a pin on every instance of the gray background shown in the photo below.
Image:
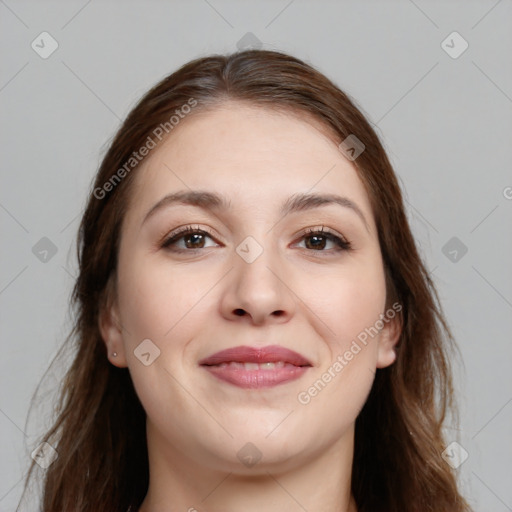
(446, 123)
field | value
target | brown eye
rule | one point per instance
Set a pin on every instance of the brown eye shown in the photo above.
(319, 238)
(193, 238)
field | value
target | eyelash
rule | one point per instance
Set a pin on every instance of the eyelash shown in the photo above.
(342, 243)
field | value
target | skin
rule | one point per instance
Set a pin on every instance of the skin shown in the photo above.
(187, 305)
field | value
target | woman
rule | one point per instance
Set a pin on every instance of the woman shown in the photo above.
(255, 327)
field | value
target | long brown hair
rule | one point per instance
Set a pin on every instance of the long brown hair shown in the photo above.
(99, 430)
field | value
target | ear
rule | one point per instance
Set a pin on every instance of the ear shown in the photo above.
(110, 328)
(388, 339)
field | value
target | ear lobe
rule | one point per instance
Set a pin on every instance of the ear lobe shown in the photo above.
(388, 339)
(111, 331)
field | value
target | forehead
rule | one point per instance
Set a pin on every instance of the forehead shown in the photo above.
(253, 155)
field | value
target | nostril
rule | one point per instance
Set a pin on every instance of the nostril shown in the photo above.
(239, 312)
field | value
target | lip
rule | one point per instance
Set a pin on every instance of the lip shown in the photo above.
(228, 365)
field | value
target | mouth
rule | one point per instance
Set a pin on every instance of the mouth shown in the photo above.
(249, 367)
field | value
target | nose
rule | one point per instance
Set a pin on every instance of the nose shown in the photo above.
(259, 291)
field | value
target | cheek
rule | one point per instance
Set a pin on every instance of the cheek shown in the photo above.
(153, 300)
(168, 308)
(159, 303)
(349, 303)
(340, 387)
(353, 351)
(156, 304)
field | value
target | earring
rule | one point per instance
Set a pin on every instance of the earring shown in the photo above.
(114, 354)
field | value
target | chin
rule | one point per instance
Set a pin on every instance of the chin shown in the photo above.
(253, 459)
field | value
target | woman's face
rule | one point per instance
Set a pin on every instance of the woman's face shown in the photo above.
(255, 279)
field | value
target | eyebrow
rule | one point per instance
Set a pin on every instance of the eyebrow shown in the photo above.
(211, 201)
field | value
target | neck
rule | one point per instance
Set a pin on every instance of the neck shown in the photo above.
(180, 483)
